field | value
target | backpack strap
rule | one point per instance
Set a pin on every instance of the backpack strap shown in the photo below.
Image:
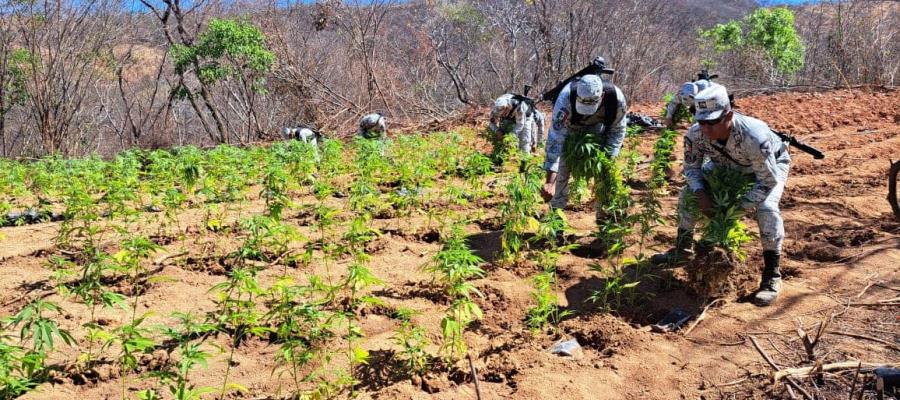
(610, 104)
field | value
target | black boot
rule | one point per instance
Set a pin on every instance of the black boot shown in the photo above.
(682, 251)
(771, 279)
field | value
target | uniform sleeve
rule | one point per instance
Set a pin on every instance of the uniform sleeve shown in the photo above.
(693, 160)
(539, 121)
(765, 168)
(616, 134)
(558, 131)
(492, 124)
(673, 106)
(381, 128)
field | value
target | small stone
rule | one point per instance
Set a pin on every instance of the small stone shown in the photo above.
(568, 348)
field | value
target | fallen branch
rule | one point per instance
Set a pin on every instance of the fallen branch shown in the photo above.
(860, 336)
(789, 373)
(892, 188)
(474, 377)
(790, 380)
(855, 380)
(702, 316)
(875, 304)
(164, 257)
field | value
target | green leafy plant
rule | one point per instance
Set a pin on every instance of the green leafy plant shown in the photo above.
(21, 368)
(519, 212)
(616, 291)
(682, 113)
(454, 266)
(547, 311)
(413, 342)
(724, 229)
(766, 31)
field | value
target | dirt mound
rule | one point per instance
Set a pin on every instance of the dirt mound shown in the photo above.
(601, 332)
(715, 273)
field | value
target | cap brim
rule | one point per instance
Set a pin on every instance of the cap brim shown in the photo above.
(585, 109)
(709, 115)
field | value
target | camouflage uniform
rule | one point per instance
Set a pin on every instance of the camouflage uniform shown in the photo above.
(563, 125)
(372, 126)
(754, 149)
(685, 97)
(509, 115)
(303, 134)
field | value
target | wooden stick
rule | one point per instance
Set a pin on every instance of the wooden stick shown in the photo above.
(474, 377)
(865, 289)
(803, 372)
(855, 379)
(875, 304)
(777, 368)
(165, 257)
(860, 336)
(701, 317)
(887, 287)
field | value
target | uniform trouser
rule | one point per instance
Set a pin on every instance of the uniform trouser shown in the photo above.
(561, 191)
(526, 139)
(768, 213)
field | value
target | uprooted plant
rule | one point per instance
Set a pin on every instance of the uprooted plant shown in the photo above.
(723, 235)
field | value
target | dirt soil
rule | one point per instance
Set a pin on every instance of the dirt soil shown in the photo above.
(841, 256)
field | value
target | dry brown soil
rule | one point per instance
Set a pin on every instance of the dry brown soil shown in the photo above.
(842, 247)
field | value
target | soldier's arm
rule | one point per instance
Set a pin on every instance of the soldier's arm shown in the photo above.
(616, 135)
(492, 124)
(765, 167)
(672, 106)
(693, 160)
(539, 121)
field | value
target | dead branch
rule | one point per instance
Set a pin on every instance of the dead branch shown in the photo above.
(702, 316)
(873, 339)
(892, 188)
(855, 379)
(774, 366)
(474, 377)
(789, 373)
(165, 257)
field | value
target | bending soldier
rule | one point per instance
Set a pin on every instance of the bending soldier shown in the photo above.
(372, 126)
(511, 114)
(684, 98)
(729, 139)
(586, 104)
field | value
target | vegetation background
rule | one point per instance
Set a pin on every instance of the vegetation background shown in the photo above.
(97, 76)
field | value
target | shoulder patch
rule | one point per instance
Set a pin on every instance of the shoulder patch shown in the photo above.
(559, 120)
(766, 148)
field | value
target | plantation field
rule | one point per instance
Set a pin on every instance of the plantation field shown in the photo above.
(385, 271)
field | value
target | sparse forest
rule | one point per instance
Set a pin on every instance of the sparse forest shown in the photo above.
(100, 76)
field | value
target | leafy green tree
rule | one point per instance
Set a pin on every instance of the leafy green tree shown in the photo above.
(766, 31)
(228, 50)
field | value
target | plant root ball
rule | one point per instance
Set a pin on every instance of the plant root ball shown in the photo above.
(716, 273)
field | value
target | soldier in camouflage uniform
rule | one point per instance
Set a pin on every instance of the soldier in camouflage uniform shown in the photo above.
(684, 98)
(519, 117)
(587, 104)
(372, 126)
(723, 137)
(302, 133)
